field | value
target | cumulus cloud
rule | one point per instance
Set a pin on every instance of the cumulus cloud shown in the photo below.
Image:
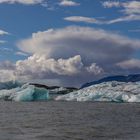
(7, 71)
(6, 75)
(26, 2)
(130, 10)
(68, 3)
(40, 64)
(69, 71)
(74, 55)
(94, 68)
(44, 3)
(7, 65)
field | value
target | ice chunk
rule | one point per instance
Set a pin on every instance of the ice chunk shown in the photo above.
(107, 91)
(25, 93)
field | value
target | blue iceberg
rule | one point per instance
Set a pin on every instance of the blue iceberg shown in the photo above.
(24, 93)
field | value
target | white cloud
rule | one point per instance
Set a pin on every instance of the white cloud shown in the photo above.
(83, 19)
(94, 68)
(6, 75)
(131, 11)
(129, 7)
(21, 53)
(68, 3)
(125, 19)
(7, 70)
(74, 54)
(41, 65)
(7, 65)
(68, 72)
(76, 40)
(65, 71)
(26, 2)
(130, 64)
(2, 32)
(110, 4)
(95, 21)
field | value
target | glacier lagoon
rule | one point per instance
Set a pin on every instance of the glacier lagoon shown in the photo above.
(69, 121)
(107, 92)
(44, 118)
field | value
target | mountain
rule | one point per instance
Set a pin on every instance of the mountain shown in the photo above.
(119, 78)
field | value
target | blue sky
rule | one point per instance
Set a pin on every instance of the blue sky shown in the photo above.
(21, 20)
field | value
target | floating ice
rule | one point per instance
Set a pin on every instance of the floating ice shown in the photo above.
(107, 91)
(25, 93)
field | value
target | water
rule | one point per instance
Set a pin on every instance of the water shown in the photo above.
(69, 121)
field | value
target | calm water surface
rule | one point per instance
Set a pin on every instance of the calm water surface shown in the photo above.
(69, 121)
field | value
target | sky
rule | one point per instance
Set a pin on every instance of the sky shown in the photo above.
(68, 42)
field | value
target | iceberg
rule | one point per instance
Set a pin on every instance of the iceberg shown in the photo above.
(24, 93)
(112, 91)
(107, 91)
(15, 91)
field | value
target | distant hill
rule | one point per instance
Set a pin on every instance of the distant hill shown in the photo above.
(119, 78)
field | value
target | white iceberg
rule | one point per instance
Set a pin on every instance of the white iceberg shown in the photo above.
(107, 91)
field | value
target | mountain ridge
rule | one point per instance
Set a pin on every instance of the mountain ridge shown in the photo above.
(119, 78)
